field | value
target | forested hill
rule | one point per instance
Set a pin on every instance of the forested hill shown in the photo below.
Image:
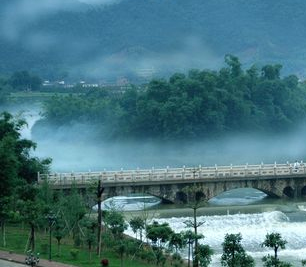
(59, 38)
(195, 105)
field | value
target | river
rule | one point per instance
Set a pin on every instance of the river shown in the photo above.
(246, 211)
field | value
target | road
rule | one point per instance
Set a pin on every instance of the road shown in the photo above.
(10, 264)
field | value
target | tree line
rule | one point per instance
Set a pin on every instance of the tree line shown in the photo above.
(201, 103)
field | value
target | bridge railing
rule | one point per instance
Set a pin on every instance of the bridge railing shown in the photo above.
(173, 174)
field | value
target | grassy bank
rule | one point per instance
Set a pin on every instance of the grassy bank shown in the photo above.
(17, 238)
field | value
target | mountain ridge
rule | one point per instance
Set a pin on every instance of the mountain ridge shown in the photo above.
(84, 39)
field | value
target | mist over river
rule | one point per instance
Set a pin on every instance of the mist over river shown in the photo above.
(247, 211)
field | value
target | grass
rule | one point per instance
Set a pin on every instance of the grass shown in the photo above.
(17, 237)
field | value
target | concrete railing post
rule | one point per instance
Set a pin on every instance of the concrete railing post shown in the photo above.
(200, 171)
(275, 168)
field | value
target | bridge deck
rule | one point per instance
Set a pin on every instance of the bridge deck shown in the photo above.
(155, 176)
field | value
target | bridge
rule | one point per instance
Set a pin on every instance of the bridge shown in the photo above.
(278, 180)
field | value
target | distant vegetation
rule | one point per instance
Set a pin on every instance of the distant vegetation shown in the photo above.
(56, 44)
(194, 105)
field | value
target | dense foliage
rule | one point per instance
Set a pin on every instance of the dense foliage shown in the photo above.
(16, 162)
(199, 104)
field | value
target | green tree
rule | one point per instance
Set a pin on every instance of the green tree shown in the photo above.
(190, 238)
(176, 242)
(115, 222)
(17, 168)
(234, 254)
(204, 255)
(23, 80)
(276, 242)
(159, 234)
(59, 232)
(271, 72)
(31, 210)
(121, 247)
(90, 226)
(138, 225)
(234, 65)
(196, 199)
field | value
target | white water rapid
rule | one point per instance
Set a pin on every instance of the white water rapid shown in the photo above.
(253, 228)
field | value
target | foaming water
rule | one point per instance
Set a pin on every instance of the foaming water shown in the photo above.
(253, 228)
(238, 197)
(31, 118)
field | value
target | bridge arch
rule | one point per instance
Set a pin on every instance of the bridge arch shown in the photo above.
(303, 191)
(180, 197)
(214, 189)
(288, 191)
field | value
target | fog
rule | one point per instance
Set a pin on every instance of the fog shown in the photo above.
(76, 148)
(84, 155)
(191, 53)
(84, 58)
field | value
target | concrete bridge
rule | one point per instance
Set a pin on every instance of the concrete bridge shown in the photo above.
(278, 180)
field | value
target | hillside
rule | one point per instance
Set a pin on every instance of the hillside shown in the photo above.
(122, 39)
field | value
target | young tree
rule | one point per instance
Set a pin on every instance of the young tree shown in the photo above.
(121, 247)
(234, 254)
(138, 225)
(115, 222)
(275, 241)
(31, 211)
(6, 212)
(176, 242)
(204, 255)
(73, 210)
(99, 192)
(196, 200)
(190, 238)
(89, 226)
(59, 232)
(159, 234)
